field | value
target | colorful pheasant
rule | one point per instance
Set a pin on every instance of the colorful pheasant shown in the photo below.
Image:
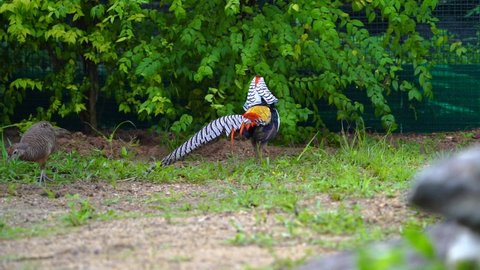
(260, 123)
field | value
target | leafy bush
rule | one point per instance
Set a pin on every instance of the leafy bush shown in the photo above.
(191, 61)
(63, 44)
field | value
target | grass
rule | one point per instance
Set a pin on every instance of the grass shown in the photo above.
(80, 212)
(242, 237)
(17, 232)
(282, 194)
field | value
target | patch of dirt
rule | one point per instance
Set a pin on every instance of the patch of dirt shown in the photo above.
(197, 242)
(388, 211)
(146, 243)
(241, 149)
(31, 204)
(141, 144)
(444, 141)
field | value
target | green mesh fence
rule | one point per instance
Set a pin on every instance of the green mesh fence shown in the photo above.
(456, 80)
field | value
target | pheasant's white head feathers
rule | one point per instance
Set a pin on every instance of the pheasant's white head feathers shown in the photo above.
(258, 93)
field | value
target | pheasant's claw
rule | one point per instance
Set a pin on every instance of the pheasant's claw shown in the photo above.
(43, 178)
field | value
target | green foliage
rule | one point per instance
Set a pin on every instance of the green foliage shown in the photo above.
(182, 124)
(173, 63)
(420, 242)
(449, 48)
(65, 42)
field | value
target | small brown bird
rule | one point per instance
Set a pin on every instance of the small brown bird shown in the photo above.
(36, 145)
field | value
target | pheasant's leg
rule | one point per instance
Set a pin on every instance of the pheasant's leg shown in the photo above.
(265, 149)
(258, 150)
(43, 176)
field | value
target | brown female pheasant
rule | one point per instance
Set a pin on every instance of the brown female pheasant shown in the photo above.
(36, 145)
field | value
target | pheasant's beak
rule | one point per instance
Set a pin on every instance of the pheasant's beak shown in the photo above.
(11, 155)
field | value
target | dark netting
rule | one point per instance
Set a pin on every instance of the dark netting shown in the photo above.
(456, 79)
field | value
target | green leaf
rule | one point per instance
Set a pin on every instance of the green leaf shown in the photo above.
(182, 124)
(414, 94)
(395, 84)
(209, 98)
(121, 39)
(177, 8)
(295, 7)
(79, 107)
(97, 11)
(232, 7)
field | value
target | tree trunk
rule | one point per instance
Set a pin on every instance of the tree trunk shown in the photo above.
(91, 70)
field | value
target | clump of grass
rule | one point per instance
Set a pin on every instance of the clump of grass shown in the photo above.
(14, 232)
(8, 232)
(339, 221)
(109, 138)
(180, 258)
(286, 263)
(243, 238)
(80, 211)
(162, 201)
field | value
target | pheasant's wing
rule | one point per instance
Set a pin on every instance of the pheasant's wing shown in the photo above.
(258, 93)
(41, 140)
(207, 134)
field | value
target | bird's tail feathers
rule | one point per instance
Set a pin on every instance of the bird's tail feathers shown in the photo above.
(213, 130)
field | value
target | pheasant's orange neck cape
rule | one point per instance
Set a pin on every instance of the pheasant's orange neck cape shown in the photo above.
(258, 115)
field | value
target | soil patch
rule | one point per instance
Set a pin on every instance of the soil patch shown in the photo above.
(202, 241)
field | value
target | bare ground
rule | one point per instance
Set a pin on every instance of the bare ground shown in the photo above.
(155, 242)
(151, 240)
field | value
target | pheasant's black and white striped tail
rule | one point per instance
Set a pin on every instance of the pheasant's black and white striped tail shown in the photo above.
(207, 134)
